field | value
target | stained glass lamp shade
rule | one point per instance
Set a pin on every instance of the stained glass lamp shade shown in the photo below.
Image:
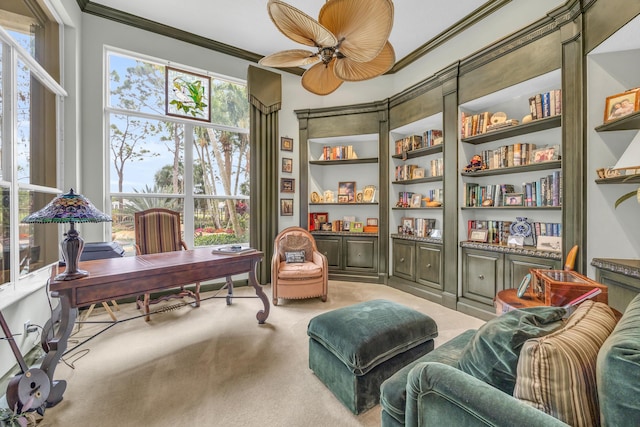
(69, 208)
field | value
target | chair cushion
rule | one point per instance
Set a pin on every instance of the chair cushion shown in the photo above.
(618, 370)
(299, 270)
(492, 354)
(557, 373)
(295, 242)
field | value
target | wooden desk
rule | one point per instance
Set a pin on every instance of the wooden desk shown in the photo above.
(115, 278)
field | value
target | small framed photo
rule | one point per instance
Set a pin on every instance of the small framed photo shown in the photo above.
(347, 188)
(286, 207)
(329, 196)
(416, 200)
(549, 243)
(287, 185)
(417, 173)
(514, 199)
(287, 165)
(357, 227)
(372, 221)
(621, 104)
(286, 143)
(545, 154)
(369, 194)
(407, 225)
(478, 235)
(359, 197)
(343, 198)
(187, 95)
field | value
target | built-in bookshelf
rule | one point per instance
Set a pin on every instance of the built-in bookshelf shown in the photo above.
(611, 71)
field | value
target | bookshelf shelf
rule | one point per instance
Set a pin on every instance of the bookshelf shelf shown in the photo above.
(343, 204)
(419, 152)
(417, 209)
(624, 179)
(344, 161)
(534, 126)
(555, 164)
(513, 208)
(630, 122)
(418, 180)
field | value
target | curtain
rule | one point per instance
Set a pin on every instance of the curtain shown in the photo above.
(265, 97)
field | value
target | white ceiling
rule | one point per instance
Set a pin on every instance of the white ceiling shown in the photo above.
(246, 24)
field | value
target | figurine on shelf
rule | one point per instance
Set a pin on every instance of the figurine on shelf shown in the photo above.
(475, 164)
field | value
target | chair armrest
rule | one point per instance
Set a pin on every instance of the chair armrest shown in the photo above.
(320, 259)
(438, 394)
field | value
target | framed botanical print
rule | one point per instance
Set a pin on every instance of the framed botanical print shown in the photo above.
(187, 95)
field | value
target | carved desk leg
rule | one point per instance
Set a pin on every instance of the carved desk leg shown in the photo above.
(262, 314)
(229, 290)
(56, 344)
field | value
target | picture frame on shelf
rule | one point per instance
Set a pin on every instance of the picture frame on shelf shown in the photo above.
(187, 94)
(287, 185)
(326, 226)
(515, 241)
(357, 227)
(416, 200)
(287, 165)
(549, 243)
(286, 143)
(513, 199)
(417, 173)
(372, 222)
(359, 197)
(478, 235)
(329, 196)
(369, 194)
(347, 188)
(621, 104)
(545, 154)
(286, 207)
(407, 225)
(343, 198)
(316, 197)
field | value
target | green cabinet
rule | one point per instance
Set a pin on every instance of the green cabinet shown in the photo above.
(350, 256)
(429, 265)
(485, 273)
(417, 267)
(404, 256)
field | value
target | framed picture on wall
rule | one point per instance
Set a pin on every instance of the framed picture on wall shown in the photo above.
(287, 165)
(187, 94)
(286, 207)
(286, 143)
(287, 185)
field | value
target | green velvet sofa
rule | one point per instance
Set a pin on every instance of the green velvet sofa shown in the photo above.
(433, 390)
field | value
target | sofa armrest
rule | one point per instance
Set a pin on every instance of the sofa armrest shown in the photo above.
(438, 394)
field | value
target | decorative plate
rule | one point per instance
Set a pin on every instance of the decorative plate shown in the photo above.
(521, 227)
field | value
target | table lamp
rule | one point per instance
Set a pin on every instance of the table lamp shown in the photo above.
(69, 208)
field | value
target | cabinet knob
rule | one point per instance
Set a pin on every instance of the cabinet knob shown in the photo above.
(428, 266)
(481, 276)
(401, 259)
(359, 255)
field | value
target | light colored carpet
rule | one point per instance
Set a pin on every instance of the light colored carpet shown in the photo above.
(216, 366)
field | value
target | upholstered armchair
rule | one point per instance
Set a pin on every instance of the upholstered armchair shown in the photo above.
(298, 270)
(158, 230)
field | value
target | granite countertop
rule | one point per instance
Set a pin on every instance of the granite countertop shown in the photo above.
(627, 267)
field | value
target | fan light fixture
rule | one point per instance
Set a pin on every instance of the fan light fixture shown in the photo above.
(351, 38)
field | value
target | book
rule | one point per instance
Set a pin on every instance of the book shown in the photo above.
(232, 250)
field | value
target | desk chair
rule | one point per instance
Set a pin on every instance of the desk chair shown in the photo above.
(158, 230)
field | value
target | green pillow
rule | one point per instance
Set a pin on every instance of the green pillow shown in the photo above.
(492, 354)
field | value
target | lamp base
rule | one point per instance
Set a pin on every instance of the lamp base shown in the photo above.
(72, 275)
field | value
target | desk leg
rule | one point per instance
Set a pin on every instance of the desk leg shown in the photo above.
(56, 344)
(262, 314)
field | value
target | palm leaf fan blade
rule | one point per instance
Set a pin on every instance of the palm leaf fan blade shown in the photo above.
(321, 79)
(289, 58)
(299, 26)
(362, 27)
(352, 71)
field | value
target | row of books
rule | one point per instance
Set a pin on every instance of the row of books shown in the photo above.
(547, 191)
(408, 199)
(428, 139)
(413, 171)
(338, 152)
(419, 227)
(499, 231)
(547, 104)
(518, 154)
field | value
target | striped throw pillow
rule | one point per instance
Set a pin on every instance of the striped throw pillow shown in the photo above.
(557, 373)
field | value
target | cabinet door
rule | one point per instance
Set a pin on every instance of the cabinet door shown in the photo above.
(331, 247)
(482, 275)
(361, 253)
(403, 259)
(429, 265)
(517, 266)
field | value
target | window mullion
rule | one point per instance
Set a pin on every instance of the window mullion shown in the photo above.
(187, 179)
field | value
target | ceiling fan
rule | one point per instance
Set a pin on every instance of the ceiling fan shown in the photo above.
(351, 38)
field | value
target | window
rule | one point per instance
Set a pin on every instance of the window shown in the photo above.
(177, 161)
(30, 100)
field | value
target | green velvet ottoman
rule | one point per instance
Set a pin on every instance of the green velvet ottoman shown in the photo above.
(352, 350)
